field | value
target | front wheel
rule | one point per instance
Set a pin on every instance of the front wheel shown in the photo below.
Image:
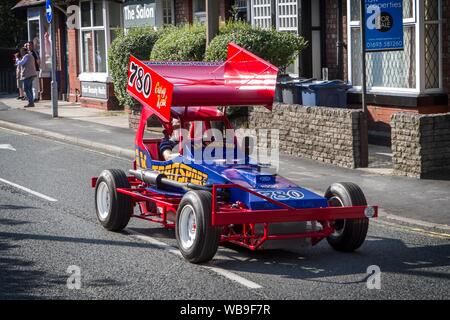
(349, 234)
(197, 239)
(113, 209)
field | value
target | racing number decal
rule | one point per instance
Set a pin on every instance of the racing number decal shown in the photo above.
(139, 79)
(283, 195)
(149, 88)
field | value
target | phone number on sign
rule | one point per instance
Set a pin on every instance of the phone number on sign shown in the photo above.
(385, 44)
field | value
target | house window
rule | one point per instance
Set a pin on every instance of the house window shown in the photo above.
(261, 14)
(287, 15)
(39, 34)
(115, 19)
(414, 69)
(167, 11)
(93, 37)
(199, 10)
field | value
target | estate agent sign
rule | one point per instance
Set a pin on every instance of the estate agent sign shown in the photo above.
(384, 25)
(139, 13)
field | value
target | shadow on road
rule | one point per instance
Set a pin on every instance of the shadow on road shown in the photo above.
(19, 278)
(391, 255)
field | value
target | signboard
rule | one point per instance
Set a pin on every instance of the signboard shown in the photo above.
(48, 11)
(95, 90)
(383, 25)
(149, 88)
(139, 14)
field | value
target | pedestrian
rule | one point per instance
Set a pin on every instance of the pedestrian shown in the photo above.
(27, 74)
(21, 96)
(37, 61)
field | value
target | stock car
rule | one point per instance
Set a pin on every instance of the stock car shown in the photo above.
(235, 200)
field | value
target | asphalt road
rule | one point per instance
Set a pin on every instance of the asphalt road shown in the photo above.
(40, 239)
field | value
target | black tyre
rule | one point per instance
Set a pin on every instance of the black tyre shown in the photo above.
(113, 209)
(197, 239)
(349, 235)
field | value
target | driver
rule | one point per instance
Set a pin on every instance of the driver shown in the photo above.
(168, 142)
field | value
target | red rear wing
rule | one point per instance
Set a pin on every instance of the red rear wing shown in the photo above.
(242, 80)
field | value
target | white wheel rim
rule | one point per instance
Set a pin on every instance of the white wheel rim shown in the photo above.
(103, 201)
(187, 227)
(337, 202)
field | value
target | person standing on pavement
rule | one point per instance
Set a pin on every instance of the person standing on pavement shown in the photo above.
(27, 74)
(37, 61)
(21, 96)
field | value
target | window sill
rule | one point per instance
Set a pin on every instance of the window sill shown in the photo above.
(407, 99)
(94, 77)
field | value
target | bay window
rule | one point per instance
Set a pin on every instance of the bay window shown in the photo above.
(100, 24)
(415, 69)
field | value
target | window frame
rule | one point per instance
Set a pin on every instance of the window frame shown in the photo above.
(172, 11)
(418, 23)
(97, 76)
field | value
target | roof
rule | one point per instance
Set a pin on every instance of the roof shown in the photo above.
(33, 3)
(28, 3)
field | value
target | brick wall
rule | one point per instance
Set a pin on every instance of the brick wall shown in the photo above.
(183, 11)
(73, 65)
(420, 144)
(330, 135)
(184, 14)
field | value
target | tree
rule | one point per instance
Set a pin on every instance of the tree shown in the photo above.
(12, 27)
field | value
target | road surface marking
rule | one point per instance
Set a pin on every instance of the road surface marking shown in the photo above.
(420, 231)
(35, 193)
(14, 131)
(233, 276)
(7, 147)
(225, 273)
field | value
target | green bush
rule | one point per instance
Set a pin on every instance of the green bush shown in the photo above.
(138, 42)
(185, 43)
(279, 48)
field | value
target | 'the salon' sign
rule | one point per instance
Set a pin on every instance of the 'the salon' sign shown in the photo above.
(139, 13)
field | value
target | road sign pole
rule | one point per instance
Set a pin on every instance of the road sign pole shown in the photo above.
(54, 83)
(364, 142)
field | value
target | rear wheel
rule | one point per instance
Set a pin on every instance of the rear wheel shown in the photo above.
(350, 234)
(197, 239)
(113, 209)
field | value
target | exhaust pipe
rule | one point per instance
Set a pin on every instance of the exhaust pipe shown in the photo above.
(161, 181)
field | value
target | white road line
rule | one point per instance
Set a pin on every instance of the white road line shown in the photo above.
(234, 277)
(225, 273)
(7, 147)
(35, 193)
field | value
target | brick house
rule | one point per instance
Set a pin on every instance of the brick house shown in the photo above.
(82, 66)
(416, 79)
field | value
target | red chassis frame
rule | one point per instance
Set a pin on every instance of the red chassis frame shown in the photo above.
(225, 214)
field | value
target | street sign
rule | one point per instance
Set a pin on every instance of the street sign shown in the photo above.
(383, 25)
(48, 10)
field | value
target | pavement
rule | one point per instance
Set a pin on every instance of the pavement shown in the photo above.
(416, 202)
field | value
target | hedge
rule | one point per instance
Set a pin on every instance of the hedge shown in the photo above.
(279, 48)
(185, 43)
(138, 42)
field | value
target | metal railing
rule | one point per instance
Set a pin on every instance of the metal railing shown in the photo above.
(8, 82)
